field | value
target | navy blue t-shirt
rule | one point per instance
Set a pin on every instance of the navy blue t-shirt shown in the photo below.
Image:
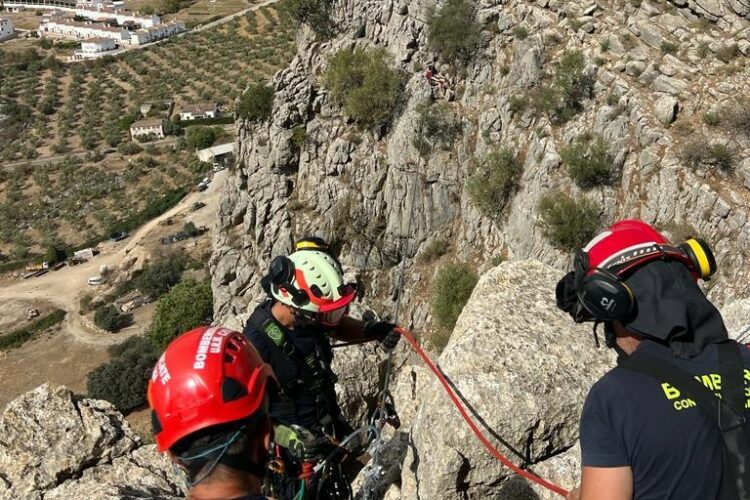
(632, 419)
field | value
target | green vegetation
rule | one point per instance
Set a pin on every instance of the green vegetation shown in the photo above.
(698, 152)
(365, 84)
(668, 47)
(256, 103)
(727, 52)
(110, 319)
(314, 13)
(123, 380)
(450, 291)
(569, 223)
(453, 32)
(434, 251)
(200, 137)
(496, 179)
(188, 305)
(18, 337)
(711, 118)
(521, 32)
(51, 109)
(299, 136)
(518, 104)
(437, 124)
(736, 117)
(589, 161)
(563, 98)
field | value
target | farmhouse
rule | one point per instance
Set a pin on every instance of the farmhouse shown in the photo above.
(94, 47)
(147, 128)
(6, 28)
(200, 110)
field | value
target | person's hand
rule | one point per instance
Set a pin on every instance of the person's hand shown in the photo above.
(575, 494)
(383, 332)
(303, 444)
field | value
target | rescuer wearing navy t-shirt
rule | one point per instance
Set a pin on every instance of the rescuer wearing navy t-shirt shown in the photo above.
(641, 437)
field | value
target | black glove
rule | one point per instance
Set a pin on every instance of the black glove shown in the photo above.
(383, 332)
(304, 444)
(317, 449)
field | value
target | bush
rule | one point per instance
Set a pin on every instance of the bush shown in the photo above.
(110, 319)
(450, 292)
(668, 47)
(569, 223)
(495, 180)
(299, 136)
(711, 118)
(124, 379)
(256, 103)
(562, 99)
(129, 148)
(186, 306)
(17, 338)
(158, 278)
(518, 104)
(588, 160)
(314, 13)
(726, 53)
(453, 33)
(364, 84)
(521, 32)
(434, 251)
(200, 137)
(437, 123)
(698, 152)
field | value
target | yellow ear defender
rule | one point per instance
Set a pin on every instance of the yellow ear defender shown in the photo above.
(701, 257)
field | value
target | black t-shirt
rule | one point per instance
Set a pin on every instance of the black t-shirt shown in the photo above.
(307, 407)
(632, 419)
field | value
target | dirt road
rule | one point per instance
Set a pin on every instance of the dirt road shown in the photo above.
(63, 288)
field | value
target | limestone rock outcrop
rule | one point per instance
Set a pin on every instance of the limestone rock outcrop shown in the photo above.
(658, 68)
(524, 368)
(56, 445)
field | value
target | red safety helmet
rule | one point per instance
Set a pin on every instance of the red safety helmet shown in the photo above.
(601, 266)
(206, 377)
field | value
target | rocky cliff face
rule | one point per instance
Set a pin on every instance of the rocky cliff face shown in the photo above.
(56, 445)
(661, 70)
(657, 70)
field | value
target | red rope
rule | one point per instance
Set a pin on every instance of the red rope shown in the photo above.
(470, 422)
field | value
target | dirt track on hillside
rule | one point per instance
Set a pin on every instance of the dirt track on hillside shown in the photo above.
(67, 353)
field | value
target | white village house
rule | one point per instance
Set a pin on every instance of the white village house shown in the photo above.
(68, 28)
(94, 47)
(6, 28)
(152, 127)
(158, 32)
(117, 16)
(200, 110)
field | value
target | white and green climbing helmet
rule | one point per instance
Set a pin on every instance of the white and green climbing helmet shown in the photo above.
(310, 280)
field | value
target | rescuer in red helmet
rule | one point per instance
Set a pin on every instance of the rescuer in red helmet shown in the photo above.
(670, 421)
(209, 410)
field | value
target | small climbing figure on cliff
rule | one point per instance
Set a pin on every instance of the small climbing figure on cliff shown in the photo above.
(308, 305)
(209, 411)
(650, 427)
(438, 82)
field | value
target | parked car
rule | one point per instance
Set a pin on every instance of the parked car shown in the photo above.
(201, 187)
(96, 280)
(118, 236)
